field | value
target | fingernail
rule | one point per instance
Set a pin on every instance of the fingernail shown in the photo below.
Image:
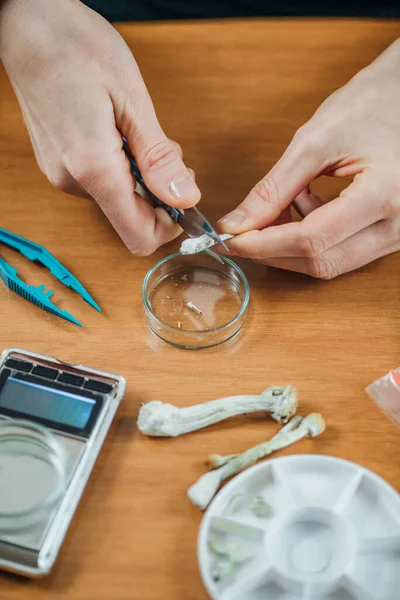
(232, 220)
(184, 187)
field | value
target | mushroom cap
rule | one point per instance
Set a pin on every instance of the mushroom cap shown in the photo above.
(214, 461)
(315, 423)
(159, 419)
(282, 402)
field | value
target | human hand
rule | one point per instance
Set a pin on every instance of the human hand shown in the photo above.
(355, 132)
(80, 90)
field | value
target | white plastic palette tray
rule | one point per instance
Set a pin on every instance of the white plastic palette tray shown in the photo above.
(327, 529)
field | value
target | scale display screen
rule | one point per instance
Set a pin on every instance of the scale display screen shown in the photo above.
(46, 404)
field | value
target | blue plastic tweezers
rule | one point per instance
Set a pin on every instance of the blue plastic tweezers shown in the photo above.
(38, 295)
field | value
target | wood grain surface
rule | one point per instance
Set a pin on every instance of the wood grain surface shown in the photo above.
(233, 94)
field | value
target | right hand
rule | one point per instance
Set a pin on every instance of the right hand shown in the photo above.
(80, 90)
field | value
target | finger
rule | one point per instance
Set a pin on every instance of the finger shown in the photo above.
(55, 173)
(141, 228)
(355, 252)
(355, 209)
(63, 181)
(103, 171)
(361, 204)
(306, 202)
(299, 165)
(166, 229)
(159, 159)
(177, 147)
(284, 217)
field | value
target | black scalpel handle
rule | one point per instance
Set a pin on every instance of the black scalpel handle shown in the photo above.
(173, 212)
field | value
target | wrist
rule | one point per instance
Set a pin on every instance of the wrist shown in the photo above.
(28, 29)
(393, 52)
(11, 9)
(396, 45)
(11, 13)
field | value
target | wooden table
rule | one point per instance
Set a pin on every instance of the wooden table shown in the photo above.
(232, 93)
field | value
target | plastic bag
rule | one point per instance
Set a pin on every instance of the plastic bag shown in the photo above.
(386, 393)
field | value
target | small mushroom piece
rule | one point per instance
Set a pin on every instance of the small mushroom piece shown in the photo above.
(160, 419)
(221, 569)
(260, 507)
(199, 244)
(194, 308)
(202, 492)
(228, 555)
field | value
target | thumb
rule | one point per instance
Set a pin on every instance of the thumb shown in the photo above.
(298, 166)
(160, 162)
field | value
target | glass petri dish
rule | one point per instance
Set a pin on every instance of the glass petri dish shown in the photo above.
(195, 301)
(33, 474)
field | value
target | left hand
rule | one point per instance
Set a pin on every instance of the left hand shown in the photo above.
(355, 132)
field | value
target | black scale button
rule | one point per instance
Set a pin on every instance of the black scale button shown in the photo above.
(45, 372)
(19, 365)
(98, 386)
(71, 379)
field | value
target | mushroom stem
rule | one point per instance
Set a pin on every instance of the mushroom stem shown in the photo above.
(161, 419)
(202, 492)
(214, 461)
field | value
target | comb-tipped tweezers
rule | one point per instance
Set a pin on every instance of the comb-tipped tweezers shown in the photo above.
(192, 221)
(38, 295)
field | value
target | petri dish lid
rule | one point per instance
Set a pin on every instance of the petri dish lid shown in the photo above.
(302, 527)
(33, 473)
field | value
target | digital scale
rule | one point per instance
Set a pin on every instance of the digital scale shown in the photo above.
(54, 418)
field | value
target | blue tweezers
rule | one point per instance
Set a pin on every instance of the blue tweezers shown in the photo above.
(38, 295)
